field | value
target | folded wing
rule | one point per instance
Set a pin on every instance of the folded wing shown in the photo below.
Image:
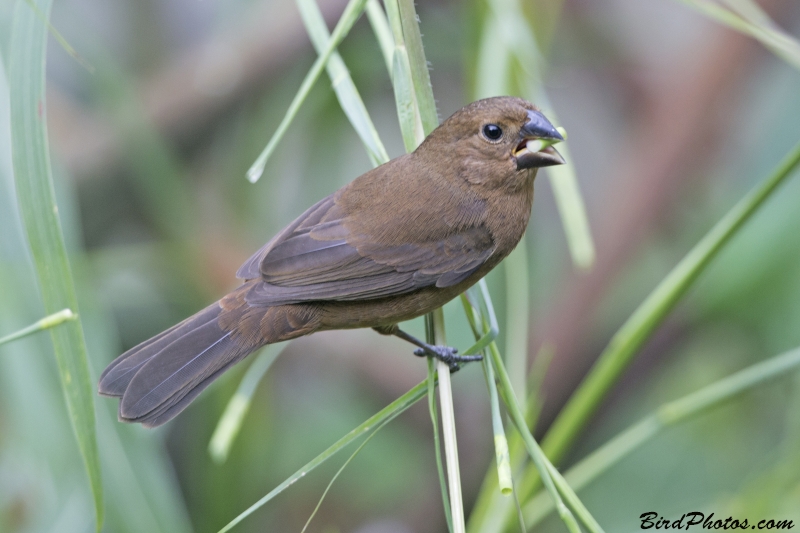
(318, 257)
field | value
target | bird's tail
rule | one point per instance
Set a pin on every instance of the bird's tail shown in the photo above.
(157, 379)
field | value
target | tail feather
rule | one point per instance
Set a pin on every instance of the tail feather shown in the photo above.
(117, 376)
(186, 363)
(169, 410)
(157, 379)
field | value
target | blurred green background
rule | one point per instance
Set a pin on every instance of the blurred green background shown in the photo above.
(671, 119)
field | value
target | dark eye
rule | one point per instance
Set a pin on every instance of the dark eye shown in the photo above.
(492, 132)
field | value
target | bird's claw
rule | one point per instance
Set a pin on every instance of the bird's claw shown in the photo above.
(447, 355)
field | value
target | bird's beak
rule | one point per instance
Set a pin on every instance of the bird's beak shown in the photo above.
(533, 151)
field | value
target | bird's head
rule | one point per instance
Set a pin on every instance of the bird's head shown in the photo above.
(493, 140)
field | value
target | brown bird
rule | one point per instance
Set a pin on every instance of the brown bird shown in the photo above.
(397, 242)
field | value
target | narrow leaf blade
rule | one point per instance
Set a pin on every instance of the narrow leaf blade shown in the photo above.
(346, 92)
(351, 13)
(30, 153)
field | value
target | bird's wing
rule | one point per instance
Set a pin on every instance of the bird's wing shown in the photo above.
(319, 257)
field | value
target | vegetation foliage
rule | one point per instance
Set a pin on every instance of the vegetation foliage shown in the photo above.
(139, 225)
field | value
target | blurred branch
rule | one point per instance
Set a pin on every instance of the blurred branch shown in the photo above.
(747, 17)
(192, 88)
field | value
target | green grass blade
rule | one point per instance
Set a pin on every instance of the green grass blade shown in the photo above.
(638, 328)
(747, 17)
(569, 201)
(417, 115)
(492, 77)
(420, 77)
(60, 39)
(384, 415)
(450, 441)
(502, 456)
(540, 461)
(407, 109)
(468, 300)
(408, 113)
(437, 442)
(349, 16)
(629, 338)
(500, 442)
(557, 488)
(727, 388)
(380, 26)
(39, 211)
(517, 274)
(338, 472)
(346, 92)
(47, 322)
(669, 414)
(230, 423)
(509, 50)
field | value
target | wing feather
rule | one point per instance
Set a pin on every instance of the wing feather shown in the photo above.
(317, 257)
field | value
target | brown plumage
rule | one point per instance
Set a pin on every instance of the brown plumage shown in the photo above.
(394, 244)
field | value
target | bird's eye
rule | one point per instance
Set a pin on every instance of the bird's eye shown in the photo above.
(492, 132)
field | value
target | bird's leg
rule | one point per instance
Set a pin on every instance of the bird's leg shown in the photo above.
(445, 354)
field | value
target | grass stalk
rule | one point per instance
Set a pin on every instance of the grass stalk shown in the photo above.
(349, 99)
(351, 13)
(616, 357)
(39, 211)
(338, 472)
(557, 488)
(388, 413)
(450, 447)
(420, 77)
(437, 443)
(47, 322)
(638, 328)
(408, 109)
(502, 457)
(383, 32)
(230, 423)
(669, 414)
(417, 113)
(569, 200)
(517, 316)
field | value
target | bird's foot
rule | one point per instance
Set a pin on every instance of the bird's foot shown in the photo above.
(447, 355)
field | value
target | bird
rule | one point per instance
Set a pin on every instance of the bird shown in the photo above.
(395, 243)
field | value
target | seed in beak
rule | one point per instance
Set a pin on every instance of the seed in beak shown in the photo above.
(534, 145)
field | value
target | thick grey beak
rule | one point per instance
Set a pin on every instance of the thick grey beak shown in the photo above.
(539, 127)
